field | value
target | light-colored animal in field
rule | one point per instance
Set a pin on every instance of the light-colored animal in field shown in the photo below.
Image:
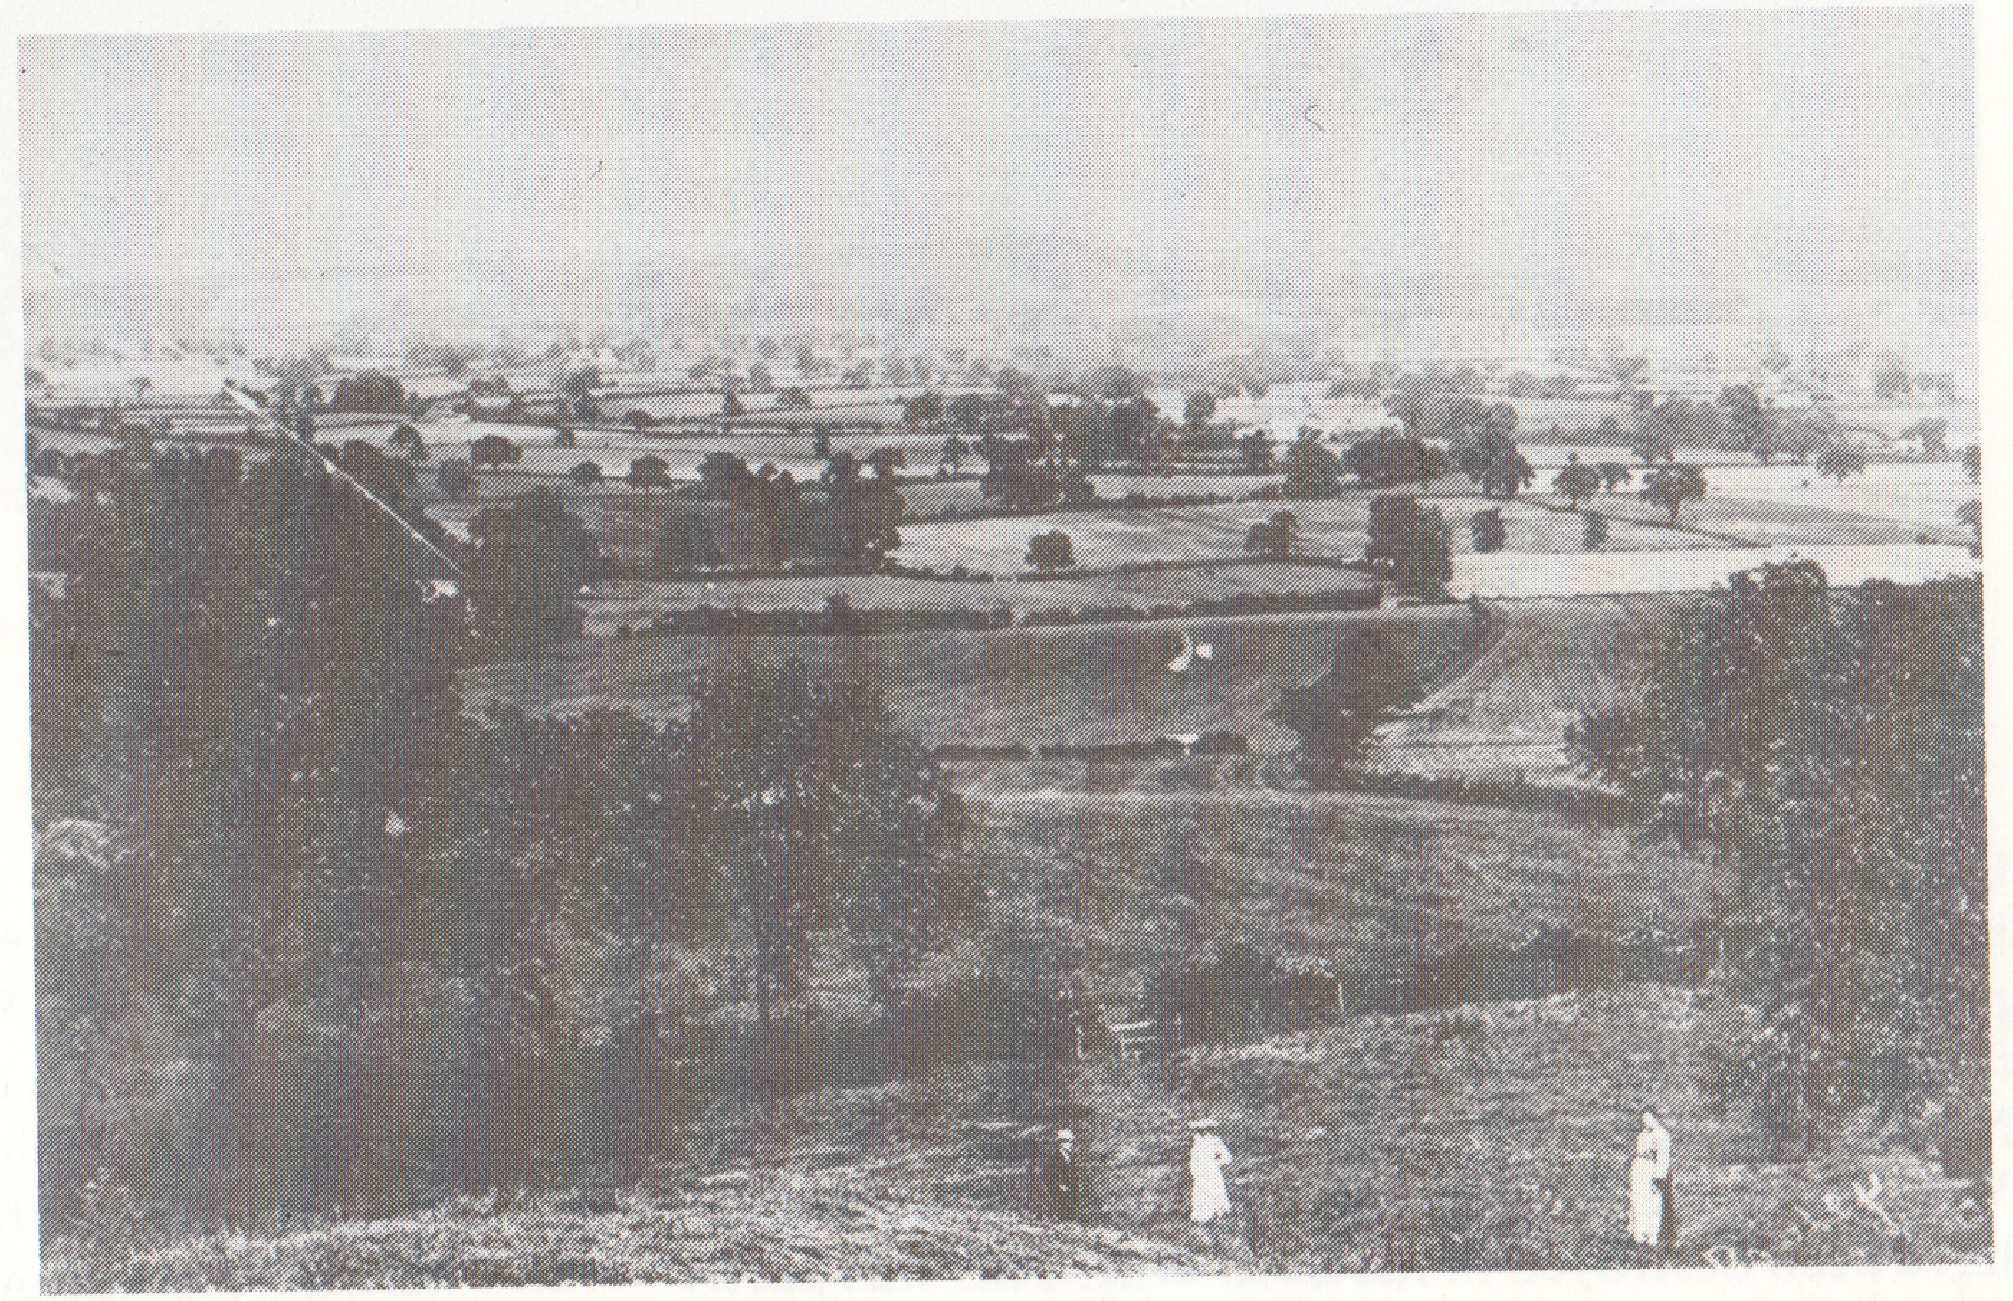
(1191, 651)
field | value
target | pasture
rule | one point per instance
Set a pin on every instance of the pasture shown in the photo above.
(1092, 684)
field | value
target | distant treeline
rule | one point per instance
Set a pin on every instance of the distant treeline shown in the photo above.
(839, 620)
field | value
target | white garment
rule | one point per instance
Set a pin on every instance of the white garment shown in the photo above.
(1206, 1160)
(1646, 1196)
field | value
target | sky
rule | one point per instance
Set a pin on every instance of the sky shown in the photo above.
(1406, 184)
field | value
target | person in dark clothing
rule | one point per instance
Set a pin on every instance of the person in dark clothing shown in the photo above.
(1060, 1181)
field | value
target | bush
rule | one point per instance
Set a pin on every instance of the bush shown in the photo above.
(1485, 528)
(1051, 551)
(1596, 532)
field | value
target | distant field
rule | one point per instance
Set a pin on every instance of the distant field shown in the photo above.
(1091, 684)
(1099, 538)
(1521, 575)
(615, 604)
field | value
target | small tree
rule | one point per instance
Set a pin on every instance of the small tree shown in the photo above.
(731, 407)
(564, 437)
(1201, 408)
(1595, 533)
(494, 449)
(1971, 464)
(456, 479)
(647, 472)
(1841, 462)
(884, 461)
(406, 439)
(793, 399)
(1257, 447)
(1051, 551)
(1485, 528)
(1673, 485)
(1615, 476)
(586, 474)
(1577, 481)
(923, 407)
(1408, 543)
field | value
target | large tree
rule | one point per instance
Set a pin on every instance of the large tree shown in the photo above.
(529, 561)
(1831, 758)
(822, 813)
(1671, 486)
(1338, 712)
(1408, 544)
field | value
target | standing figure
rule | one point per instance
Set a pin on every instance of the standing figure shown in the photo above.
(1061, 1178)
(1206, 1158)
(1649, 1175)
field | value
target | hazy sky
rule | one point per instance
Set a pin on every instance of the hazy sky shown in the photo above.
(1676, 180)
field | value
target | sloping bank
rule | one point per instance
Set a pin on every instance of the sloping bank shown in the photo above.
(786, 1235)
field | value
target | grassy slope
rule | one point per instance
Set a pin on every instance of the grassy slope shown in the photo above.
(1552, 661)
(1088, 684)
(1496, 1137)
(1358, 880)
(792, 1230)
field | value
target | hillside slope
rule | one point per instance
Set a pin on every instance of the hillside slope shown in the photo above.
(794, 1232)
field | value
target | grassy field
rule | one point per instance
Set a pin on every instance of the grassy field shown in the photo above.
(1371, 884)
(1512, 576)
(1081, 685)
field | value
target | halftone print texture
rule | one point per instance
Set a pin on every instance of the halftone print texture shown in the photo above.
(1006, 650)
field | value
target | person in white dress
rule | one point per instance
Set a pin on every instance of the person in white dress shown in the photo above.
(1206, 1158)
(1649, 1172)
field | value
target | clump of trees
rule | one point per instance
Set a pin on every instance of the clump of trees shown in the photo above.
(1312, 471)
(1387, 462)
(1336, 715)
(1485, 449)
(529, 559)
(1408, 545)
(1022, 479)
(576, 899)
(1272, 538)
(370, 392)
(649, 471)
(494, 449)
(1831, 758)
